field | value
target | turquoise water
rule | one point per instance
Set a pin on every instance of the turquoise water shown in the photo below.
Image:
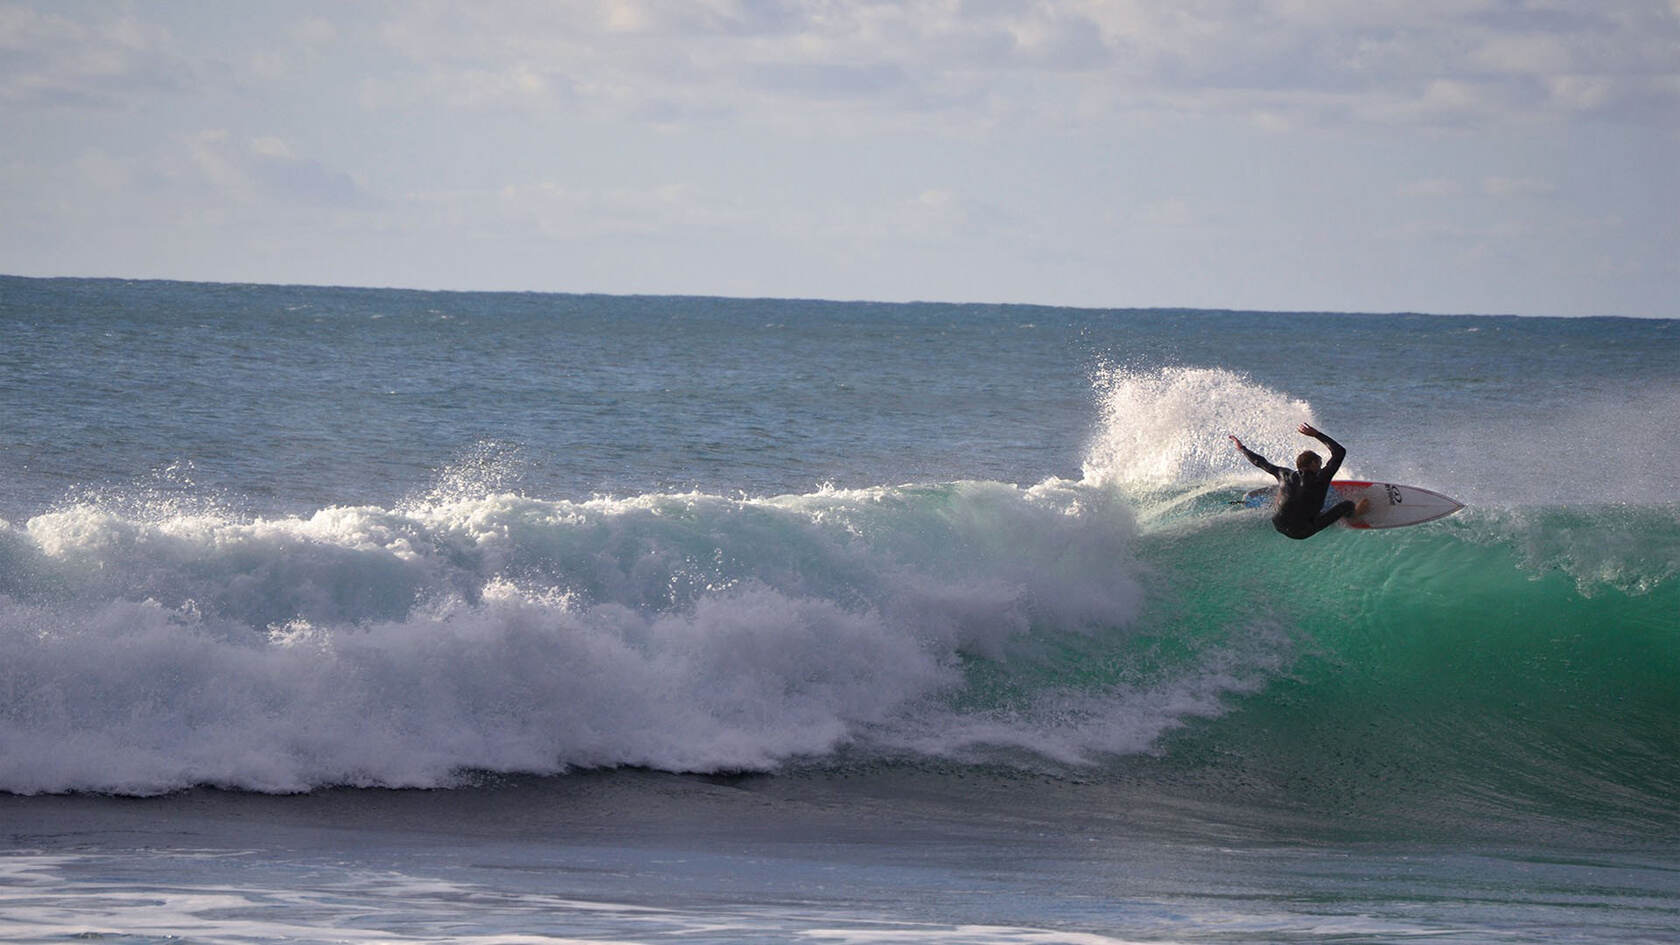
(875, 593)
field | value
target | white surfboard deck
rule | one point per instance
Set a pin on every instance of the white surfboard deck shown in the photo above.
(1392, 505)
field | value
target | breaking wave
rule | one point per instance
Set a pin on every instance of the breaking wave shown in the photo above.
(1133, 618)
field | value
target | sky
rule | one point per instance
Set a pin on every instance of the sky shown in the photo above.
(1455, 156)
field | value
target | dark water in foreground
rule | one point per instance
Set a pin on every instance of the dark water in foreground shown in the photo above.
(891, 856)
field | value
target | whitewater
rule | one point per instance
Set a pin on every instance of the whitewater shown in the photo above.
(652, 572)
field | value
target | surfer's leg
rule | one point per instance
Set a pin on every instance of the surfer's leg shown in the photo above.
(1300, 527)
(1333, 514)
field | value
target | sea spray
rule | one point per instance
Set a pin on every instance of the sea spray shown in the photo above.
(1168, 426)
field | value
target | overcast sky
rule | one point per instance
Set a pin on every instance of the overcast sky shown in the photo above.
(1517, 156)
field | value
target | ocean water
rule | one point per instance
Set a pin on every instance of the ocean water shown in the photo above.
(351, 615)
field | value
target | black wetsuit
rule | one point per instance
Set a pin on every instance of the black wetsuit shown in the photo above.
(1301, 496)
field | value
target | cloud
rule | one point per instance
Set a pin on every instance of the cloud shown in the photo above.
(1433, 187)
(823, 81)
(1173, 212)
(103, 172)
(1279, 62)
(940, 220)
(296, 50)
(1499, 188)
(48, 60)
(519, 85)
(553, 210)
(1525, 54)
(314, 31)
(265, 170)
(968, 64)
(1514, 187)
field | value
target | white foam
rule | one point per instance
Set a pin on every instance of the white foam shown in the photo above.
(1079, 728)
(149, 646)
(684, 632)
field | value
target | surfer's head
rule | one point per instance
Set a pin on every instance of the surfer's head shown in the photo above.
(1308, 461)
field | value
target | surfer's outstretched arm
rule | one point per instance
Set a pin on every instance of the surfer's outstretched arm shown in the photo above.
(1256, 458)
(1337, 450)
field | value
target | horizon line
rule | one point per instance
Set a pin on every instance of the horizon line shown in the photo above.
(832, 301)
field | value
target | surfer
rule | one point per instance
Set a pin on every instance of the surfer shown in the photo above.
(1301, 491)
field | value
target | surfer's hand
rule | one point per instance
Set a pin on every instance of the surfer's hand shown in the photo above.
(1308, 429)
(1233, 439)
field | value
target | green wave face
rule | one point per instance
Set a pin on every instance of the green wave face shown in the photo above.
(1501, 664)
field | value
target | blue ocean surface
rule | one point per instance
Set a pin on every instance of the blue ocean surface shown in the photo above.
(379, 615)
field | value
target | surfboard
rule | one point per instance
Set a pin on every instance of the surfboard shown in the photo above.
(1392, 505)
